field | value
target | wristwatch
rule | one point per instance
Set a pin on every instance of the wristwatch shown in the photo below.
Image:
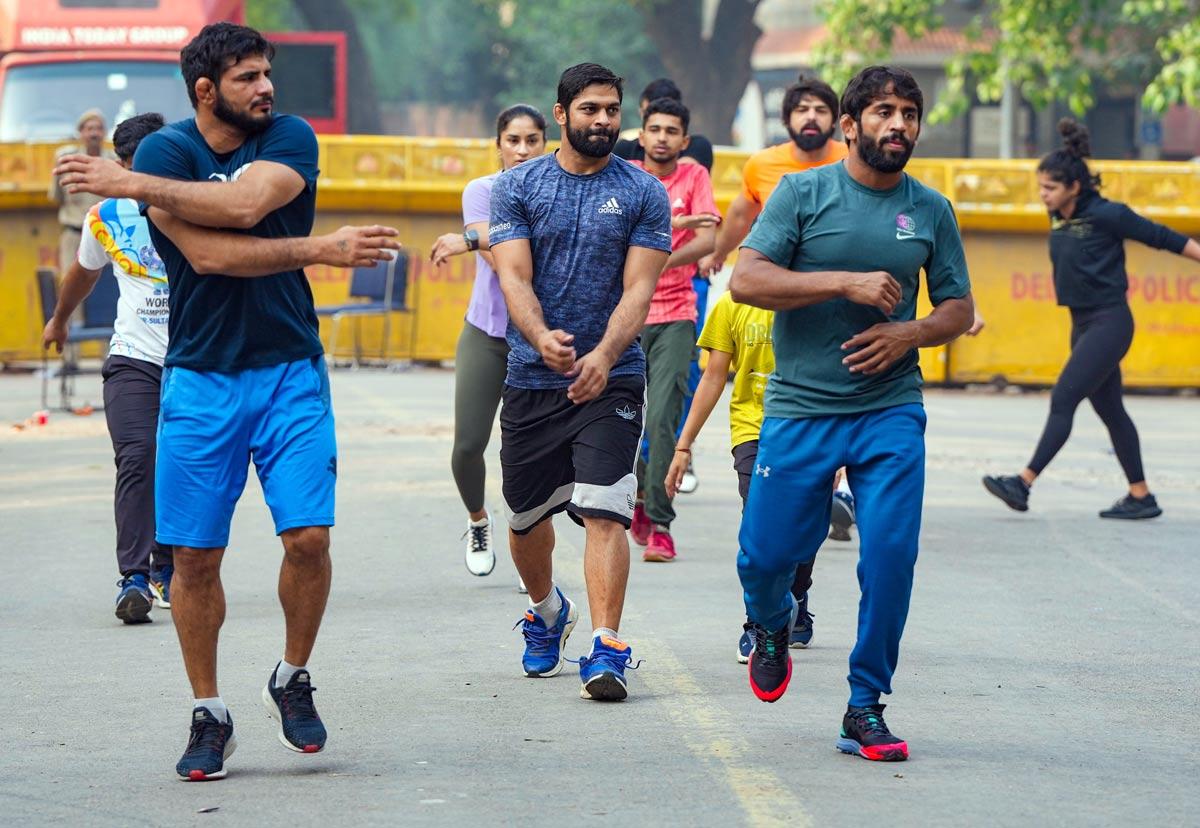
(471, 237)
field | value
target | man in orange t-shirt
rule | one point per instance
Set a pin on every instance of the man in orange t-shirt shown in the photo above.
(810, 114)
(669, 338)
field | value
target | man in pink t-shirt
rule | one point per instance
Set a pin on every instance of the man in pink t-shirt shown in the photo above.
(669, 337)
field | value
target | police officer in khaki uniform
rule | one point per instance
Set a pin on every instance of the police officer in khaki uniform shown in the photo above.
(73, 207)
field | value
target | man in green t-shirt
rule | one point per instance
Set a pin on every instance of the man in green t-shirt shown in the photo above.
(837, 254)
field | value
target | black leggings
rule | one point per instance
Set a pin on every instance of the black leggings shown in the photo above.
(1100, 337)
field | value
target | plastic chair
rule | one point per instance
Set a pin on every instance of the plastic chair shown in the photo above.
(385, 288)
(99, 315)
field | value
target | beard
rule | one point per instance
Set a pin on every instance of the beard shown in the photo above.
(244, 121)
(582, 142)
(812, 141)
(876, 157)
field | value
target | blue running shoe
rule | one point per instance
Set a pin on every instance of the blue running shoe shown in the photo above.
(160, 585)
(544, 647)
(300, 728)
(603, 672)
(745, 644)
(802, 630)
(209, 745)
(134, 601)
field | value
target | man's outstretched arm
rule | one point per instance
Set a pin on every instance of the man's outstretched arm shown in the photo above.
(226, 253)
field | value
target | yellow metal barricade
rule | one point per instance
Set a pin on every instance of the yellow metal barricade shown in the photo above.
(416, 184)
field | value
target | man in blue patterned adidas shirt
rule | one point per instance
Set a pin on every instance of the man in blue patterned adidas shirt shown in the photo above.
(579, 239)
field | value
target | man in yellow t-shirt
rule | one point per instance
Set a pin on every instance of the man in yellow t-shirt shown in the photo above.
(740, 336)
(810, 114)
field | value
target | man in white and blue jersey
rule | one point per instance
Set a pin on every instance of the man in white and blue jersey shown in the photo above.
(115, 233)
(245, 376)
(579, 238)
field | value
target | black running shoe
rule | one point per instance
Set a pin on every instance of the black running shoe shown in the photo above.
(802, 629)
(1010, 488)
(300, 728)
(1133, 508)
(209, 745)
(770, 662)
(865, 734)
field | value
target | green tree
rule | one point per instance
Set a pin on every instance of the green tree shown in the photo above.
(640, 39)
(363, 115)
(1050, 50)
(532, 42)
(712, 72)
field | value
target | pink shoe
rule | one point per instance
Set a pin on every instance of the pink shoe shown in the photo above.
(641, 526)
(661, 548)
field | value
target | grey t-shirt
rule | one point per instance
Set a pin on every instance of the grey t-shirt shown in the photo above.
(580, 228)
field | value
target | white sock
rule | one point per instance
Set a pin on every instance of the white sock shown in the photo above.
(285, 672)
(844, 485)
(549, 607)
(599, 631)
(484, 521)
(215, 706)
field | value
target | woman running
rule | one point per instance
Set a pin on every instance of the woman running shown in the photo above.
(1087, 234)
(481, 359)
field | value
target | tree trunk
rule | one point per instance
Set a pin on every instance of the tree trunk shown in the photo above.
(362, 104)
(713, 74)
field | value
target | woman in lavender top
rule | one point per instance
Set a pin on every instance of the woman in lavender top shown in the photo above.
(481, 359)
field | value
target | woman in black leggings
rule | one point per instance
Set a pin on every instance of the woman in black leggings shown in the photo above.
(1087, 235)
(481, 359)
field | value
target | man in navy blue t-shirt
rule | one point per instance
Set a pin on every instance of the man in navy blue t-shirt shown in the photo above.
(245, 377)
(579, 238)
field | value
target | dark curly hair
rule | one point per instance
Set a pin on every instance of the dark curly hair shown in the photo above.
(215, 49)
(1066, 165)
(579, 77)
(876, 82)
(806, 86)
(130, 132)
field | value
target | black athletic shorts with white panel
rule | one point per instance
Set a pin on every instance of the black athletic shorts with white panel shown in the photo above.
(558, 456)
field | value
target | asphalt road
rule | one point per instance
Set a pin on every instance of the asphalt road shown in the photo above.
(1048, 675)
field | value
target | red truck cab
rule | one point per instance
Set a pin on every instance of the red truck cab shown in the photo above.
(59, 58)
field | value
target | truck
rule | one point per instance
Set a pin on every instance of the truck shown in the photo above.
(59, 58)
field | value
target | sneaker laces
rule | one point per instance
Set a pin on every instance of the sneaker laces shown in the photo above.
(870, 723)
(296, 701)
(615, 660)
(479, 537)
(539, 639)
(771, 647)
(206, 735)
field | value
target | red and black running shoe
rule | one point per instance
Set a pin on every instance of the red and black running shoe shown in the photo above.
(865, 734)
(770, 662)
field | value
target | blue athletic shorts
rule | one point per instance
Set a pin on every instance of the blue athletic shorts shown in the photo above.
(212, 425)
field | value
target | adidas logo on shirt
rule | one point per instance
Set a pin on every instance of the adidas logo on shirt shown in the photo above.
(678, 204)
(611, 207)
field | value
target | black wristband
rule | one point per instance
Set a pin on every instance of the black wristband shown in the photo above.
(471, 237)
